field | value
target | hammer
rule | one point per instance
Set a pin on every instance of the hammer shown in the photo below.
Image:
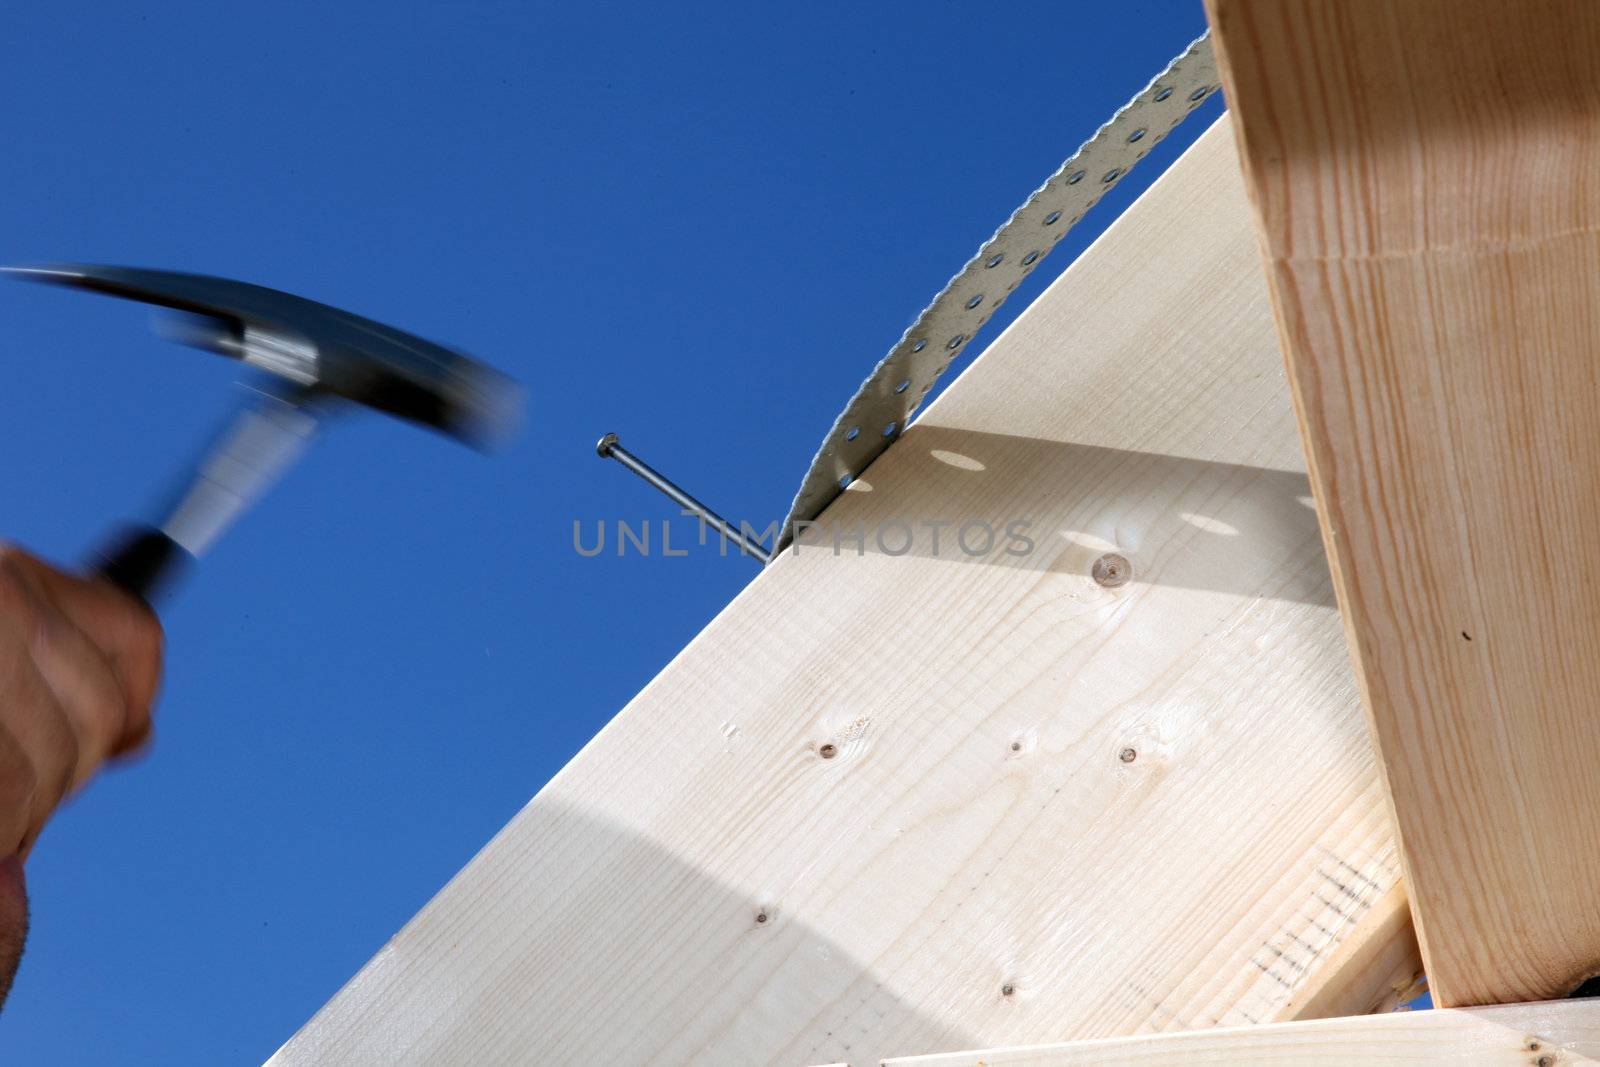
(318, 356)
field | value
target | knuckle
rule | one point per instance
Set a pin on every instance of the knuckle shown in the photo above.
(111, 717)
(146, 644)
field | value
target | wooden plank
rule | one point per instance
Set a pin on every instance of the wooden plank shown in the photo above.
(1378, 970)
(1511, 1035)
(1426, 178)
(930, 801)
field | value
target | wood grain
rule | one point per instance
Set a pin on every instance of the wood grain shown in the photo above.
(1548, 1034)
(1426, 177)
(1377, 969)
(927, 801)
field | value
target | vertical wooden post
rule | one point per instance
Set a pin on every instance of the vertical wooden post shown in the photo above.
(1426, 181)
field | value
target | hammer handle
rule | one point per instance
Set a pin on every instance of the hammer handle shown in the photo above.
(142, 561)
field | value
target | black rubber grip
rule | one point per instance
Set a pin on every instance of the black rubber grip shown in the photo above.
(143, 561)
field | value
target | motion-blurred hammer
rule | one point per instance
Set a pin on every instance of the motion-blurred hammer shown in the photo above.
(319, 355)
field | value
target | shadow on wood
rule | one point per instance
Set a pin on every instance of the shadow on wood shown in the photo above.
(714, 973)
(1065, 508)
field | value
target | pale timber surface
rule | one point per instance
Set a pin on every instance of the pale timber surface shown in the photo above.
(1550, 1034)
(1052, 808)
(1427, 179)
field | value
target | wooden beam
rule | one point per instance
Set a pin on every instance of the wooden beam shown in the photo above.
(1560, 1032)
(932, 801)
(1426, 178)
(1378, 970)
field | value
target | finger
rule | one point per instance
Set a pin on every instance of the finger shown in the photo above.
(35, 721)
(82, 681)
(123, 628)
(78, 673)
(132, 746)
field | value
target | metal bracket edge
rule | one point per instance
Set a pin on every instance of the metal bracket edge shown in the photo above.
(878, 412)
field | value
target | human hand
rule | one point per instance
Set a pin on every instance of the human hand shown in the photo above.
(79, 665)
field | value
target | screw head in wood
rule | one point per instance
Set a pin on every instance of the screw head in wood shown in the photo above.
(1111, 570)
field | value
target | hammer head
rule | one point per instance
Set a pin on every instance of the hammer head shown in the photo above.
(320, 349)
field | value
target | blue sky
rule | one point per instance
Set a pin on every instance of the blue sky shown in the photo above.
(698, 226)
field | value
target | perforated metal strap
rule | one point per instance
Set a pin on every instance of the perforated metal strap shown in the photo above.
(873, 419)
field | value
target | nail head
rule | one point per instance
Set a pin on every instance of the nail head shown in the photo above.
(1111, 570)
